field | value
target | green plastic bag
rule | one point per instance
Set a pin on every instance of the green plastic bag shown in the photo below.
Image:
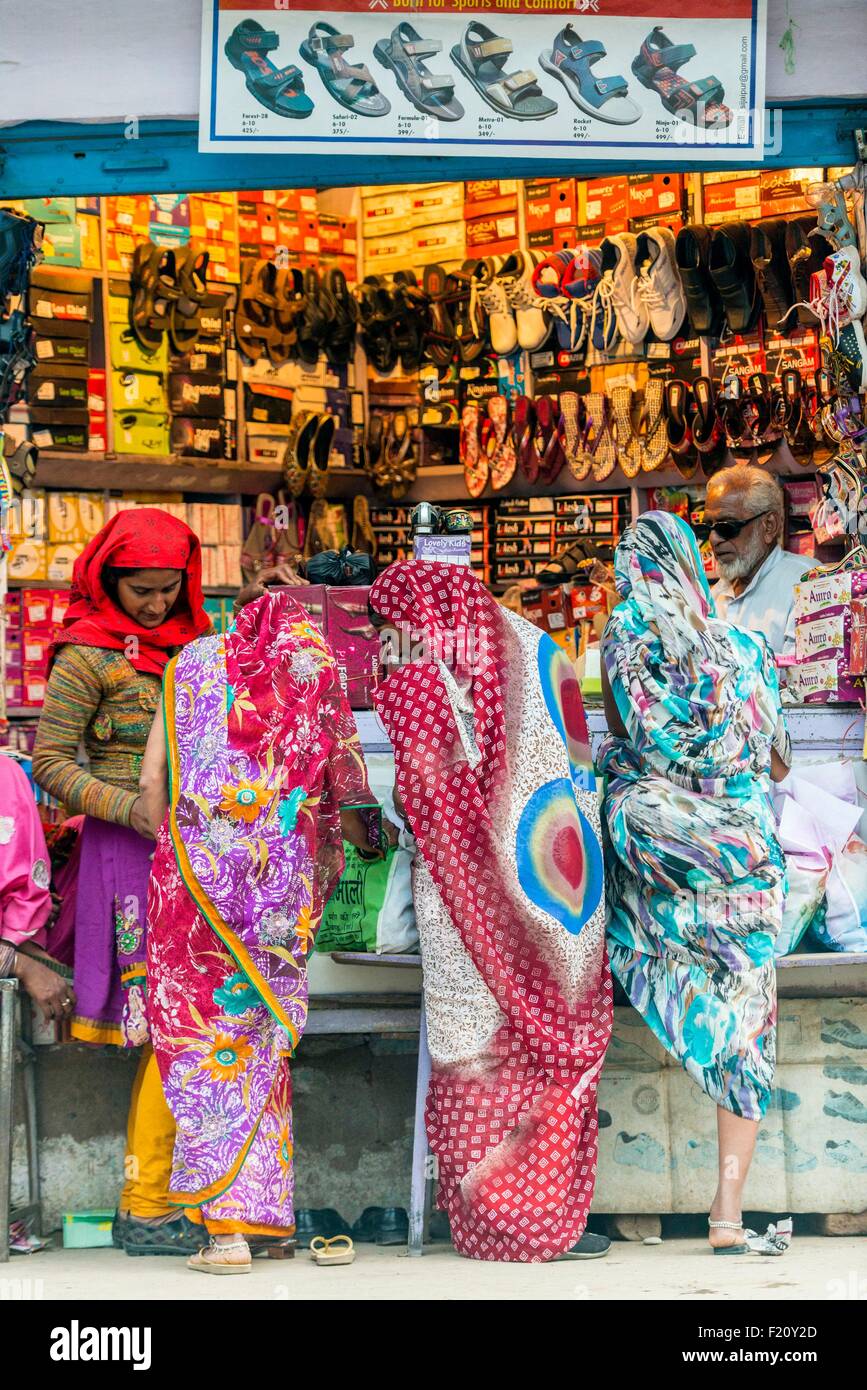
(371, 909)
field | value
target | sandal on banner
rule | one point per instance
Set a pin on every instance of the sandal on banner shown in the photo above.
(352, 87)
(281, 90)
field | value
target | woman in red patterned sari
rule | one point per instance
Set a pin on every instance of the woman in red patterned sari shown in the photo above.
(495, 776)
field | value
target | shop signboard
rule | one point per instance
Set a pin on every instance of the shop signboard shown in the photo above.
(541, 79)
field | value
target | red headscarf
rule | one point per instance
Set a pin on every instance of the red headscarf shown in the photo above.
(143, 538)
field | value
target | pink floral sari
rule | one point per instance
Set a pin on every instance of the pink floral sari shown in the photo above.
(263, 752)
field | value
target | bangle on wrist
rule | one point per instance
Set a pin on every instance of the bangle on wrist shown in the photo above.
(8, 960)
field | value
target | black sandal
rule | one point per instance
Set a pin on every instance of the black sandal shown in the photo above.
(404, 54)
(313, 322)
(342, 313)
(185, 321)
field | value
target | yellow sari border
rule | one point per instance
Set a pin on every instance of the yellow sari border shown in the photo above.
(90, 1030)
(208, 910)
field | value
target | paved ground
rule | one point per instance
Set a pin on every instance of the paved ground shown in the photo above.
(817, 1268)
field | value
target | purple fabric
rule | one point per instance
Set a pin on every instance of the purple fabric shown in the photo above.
(111, 902)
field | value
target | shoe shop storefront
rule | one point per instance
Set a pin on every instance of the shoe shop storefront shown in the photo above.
(376, 280)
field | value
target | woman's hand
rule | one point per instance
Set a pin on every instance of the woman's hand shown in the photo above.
(140, 820)
(353, 827)
(285, 573)
(53, 995)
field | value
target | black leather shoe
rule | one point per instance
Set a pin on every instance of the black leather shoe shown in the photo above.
(732, 272)
(806, 255)
(394, 1226)
(771, 264)
(178, 1237)
(314, 1221)
(691, 254)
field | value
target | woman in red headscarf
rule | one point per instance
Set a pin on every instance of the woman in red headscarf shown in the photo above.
(136, 600)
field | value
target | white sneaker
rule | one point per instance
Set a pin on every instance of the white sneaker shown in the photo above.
(657, 287)
(530, 319)
(838, 298)
(616, 286)
(501, 319)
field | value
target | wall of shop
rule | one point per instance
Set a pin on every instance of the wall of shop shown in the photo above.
(113, 43)
(353, 1114)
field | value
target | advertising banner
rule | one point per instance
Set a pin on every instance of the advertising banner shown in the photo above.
(542, 79)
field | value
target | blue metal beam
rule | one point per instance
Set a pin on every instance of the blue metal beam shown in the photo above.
(49, 158)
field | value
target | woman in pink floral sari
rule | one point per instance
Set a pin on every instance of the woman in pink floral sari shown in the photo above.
(265, 778)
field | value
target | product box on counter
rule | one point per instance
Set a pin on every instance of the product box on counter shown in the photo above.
(141, 432)
(354, 641)
(547, 608)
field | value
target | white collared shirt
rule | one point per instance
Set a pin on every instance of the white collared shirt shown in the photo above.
(767, 604)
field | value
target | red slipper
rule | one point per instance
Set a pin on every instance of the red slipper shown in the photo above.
(476, 466)
(523, 433)
(548, 439)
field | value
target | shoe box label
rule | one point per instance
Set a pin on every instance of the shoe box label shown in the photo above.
(681, 358)
(490, 197)
(673, 220)
(739, 357)
(551, 239)
(552, 203)
(799, 349)
(654, 195)
(493, 230)
(784, 190)
(732, 201)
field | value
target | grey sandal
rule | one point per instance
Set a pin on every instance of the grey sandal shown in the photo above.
(404, 53)
(354, 88)
(481, 56)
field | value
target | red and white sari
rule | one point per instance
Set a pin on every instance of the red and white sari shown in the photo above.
(494, 769)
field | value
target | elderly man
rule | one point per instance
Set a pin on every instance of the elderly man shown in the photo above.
(744, 516)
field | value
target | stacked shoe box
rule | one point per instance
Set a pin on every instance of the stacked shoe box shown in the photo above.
(138, 382)
(282, 225)
(169, 223)
(410, 226)
(491, 214)
(338, 241)
(28, 534)
(219, 527)
(66, 394)
(32, 619)
(202, 394)
(73, 519)
(550, 214)
(655, 200)
(127, 222)
(528, 531)
(214, 228)
(71, 236)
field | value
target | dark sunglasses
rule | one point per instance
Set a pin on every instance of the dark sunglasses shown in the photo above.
(726, 530)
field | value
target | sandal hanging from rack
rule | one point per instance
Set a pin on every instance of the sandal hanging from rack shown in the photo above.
(679, 429)
(524, 436)
(708, 435)
(472, 455)
(602, 446)
(628, 445)
(575, 431)
(502, 455)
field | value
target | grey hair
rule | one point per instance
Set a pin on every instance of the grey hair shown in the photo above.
(762, 487)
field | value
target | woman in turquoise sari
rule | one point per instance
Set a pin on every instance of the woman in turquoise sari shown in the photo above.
(697, 878)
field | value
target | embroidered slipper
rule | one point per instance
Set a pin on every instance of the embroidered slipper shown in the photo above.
(654, 445)
(575, 433)
(548, 441)
(628, 445)
(500, 445)
(280, 90)
(301, 435)
(472, 456)
(209, 1260)
(338, 1250)
(603, 447)
(523, 434)
(320, 454)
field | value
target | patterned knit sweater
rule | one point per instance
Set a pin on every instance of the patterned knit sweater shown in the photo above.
(97, 697)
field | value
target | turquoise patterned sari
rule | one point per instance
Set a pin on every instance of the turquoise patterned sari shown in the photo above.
(696, 876)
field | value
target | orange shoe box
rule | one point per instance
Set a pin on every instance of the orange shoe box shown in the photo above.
(729, 202)
(489, 197)
(500, 231)
(128, 212)
(551, 203)
(654, 194)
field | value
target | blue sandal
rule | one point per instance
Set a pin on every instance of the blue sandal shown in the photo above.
(571, 60)
(353, 87)
(281, 90)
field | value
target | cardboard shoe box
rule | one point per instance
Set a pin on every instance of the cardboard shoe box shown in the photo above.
(550, 203)
(605, 200)
(354, 641)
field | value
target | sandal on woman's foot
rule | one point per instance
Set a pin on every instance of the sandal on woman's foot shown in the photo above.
(775, 1241)
(353, 87)
(571, 60)
(231, 1257)
(481, 56)
(339, 1250)
(280, 90)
